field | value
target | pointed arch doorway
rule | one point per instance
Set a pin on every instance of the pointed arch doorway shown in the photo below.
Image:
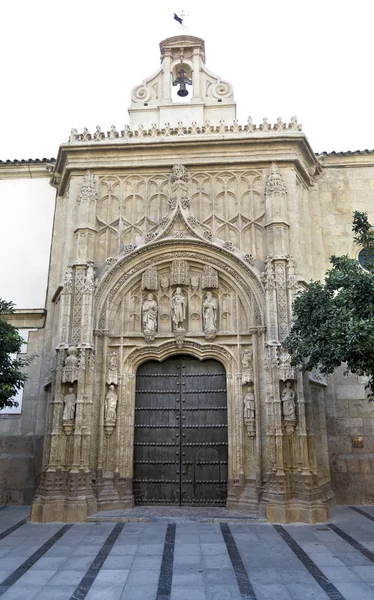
(180, 444)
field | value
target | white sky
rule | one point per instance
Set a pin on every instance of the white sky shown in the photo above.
(73, 64)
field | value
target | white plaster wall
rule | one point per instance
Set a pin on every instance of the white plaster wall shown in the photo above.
(26, 216)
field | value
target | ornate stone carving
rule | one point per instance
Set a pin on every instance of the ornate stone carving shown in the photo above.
(110, 410)
(172, 203)
(178, 173)
(250, 411)
(285, 370)
(149, 318)
(88, 192)
(150, 279)
(70, 370)
(229, 246)
(150, 236)
(249, 259)
(275, 185)
(179, 272)
(210, 310)
(247, 365)
(130, 247)
(112, 372)
(195, 281)
(178, 309)
(185, 202)
(179, 335)
(68, 280)
(90, 277)
(110, 262)
(164, 282)
(209, 278)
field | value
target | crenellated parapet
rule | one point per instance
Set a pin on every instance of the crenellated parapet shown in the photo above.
(152, 133)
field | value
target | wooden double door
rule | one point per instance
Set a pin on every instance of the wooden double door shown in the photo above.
(180, 446)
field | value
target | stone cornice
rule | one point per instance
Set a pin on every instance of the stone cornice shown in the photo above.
(226, 149)
(26, 169)
(33, 318)
(360, 158)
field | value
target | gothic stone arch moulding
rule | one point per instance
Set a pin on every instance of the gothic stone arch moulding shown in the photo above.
(127, 282)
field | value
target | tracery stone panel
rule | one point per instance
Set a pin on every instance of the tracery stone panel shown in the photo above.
(230, 203)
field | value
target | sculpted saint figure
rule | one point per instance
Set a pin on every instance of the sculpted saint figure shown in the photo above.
(111, 404)
(69, 406)
(210, 312)
(249, 404)
(288, 402)
(178, 308)
(150, 314)
(72, 358)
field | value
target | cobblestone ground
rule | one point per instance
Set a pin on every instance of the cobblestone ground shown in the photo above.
(187, 559)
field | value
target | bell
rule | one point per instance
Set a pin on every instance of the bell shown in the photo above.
(182, 80)
(182, 90)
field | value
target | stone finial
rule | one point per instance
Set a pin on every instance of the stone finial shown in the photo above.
(275, 185)
(88, 191)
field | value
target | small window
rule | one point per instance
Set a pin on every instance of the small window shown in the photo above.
(366, 258)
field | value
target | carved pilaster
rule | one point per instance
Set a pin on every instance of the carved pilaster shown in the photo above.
(276, 212)
(268, 278)
(57, 405)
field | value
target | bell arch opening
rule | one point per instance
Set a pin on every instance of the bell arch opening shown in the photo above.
(181, 436)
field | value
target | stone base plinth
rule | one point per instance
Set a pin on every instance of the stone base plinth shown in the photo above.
(298, 511)
(63, 510)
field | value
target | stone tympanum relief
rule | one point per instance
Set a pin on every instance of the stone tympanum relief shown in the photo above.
(210, 310)
(249, 411)
(219, 309)
(110, 410)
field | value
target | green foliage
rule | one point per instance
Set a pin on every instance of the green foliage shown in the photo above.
(334, 320)
(12, 378)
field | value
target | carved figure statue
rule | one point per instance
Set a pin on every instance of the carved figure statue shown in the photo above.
(249, 404)
(210, 306)
(112, 376)
(72, 358)
(288, 402)
(111, 405)
(69, 406)
(247, 358)
(150, 314)
(178, 308)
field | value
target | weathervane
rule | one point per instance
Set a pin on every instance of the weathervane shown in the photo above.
(180, 19)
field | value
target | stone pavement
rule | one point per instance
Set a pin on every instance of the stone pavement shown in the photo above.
(187, 560)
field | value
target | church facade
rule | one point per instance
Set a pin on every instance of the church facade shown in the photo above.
(178, 247)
